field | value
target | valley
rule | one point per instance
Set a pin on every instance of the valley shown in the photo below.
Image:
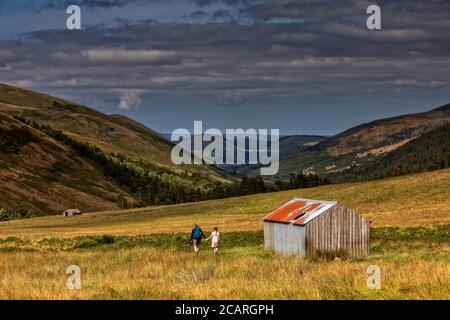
(55, 154)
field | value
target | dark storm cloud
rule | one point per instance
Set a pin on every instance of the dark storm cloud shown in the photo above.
(325, 9)
(243, 3)
(229, 63)
(198, 14)
(59, 4)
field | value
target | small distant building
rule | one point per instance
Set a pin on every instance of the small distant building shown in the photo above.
(305, 227)
(71, 212)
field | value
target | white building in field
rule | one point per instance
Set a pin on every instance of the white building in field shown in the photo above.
(305, 227)
(71, 212)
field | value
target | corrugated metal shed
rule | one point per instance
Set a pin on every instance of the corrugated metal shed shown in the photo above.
(305, 227)
(299, 211)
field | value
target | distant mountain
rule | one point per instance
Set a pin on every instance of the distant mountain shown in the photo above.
(289, 146)
(354, 147)
(292, 145)
(361, 144)
(43, 175)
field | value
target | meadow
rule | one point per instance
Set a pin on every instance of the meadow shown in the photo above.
(163, 267)
(142, 253)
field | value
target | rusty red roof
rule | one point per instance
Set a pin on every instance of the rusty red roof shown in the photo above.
(299, 211)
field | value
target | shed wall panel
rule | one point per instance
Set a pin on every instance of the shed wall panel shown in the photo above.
(284, 238)
(337, 229)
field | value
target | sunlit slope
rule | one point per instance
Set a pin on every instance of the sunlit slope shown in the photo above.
(40, 174)
(112, 133)
(421, 199)
(363, 143)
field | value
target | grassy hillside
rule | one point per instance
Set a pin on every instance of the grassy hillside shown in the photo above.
(114, 133)
(123, 152)
(142, 254)
(421, 199)
(385, 132)
(430, 151)
(361, 144)
(40, 174)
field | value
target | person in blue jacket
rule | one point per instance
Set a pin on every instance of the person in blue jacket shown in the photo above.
(196, 237)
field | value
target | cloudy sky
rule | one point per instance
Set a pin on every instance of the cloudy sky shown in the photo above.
(307, 67)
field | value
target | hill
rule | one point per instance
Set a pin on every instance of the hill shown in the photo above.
(411, 200)
(120, 160)
(113, 133)
(385, 132)
(361, 144)
(290, 146)
(43, 175)
(430, 151)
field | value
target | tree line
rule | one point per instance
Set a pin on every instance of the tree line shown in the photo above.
(152, 185)
(431, 151)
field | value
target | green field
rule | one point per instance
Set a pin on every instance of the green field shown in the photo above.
(142, 254)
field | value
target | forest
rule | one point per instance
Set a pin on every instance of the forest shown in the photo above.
(431, 151)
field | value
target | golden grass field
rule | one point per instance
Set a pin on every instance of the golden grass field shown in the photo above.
(422, 199)
(147, 273)
(410, 269)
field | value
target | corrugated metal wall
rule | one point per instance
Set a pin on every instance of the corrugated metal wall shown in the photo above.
(284, 238)
(338, 228)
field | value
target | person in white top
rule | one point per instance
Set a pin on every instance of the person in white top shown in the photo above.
(215, 240)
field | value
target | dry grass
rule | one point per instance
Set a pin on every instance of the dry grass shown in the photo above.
(419, 269)
(239, 273)
(421, 199)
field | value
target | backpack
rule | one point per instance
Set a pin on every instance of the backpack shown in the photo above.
(198, 233)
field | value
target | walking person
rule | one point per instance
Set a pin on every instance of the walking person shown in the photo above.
(196, 236)
(215, 240)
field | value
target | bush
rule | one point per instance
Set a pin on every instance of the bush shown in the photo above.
(16, 214)
(85, 243)
(106, 239)
(439, 234)
(331, 255)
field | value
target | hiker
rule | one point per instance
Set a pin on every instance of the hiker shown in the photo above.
(215, 243)
(196, 237)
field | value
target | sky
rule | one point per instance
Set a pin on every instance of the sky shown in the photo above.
(301, 66)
